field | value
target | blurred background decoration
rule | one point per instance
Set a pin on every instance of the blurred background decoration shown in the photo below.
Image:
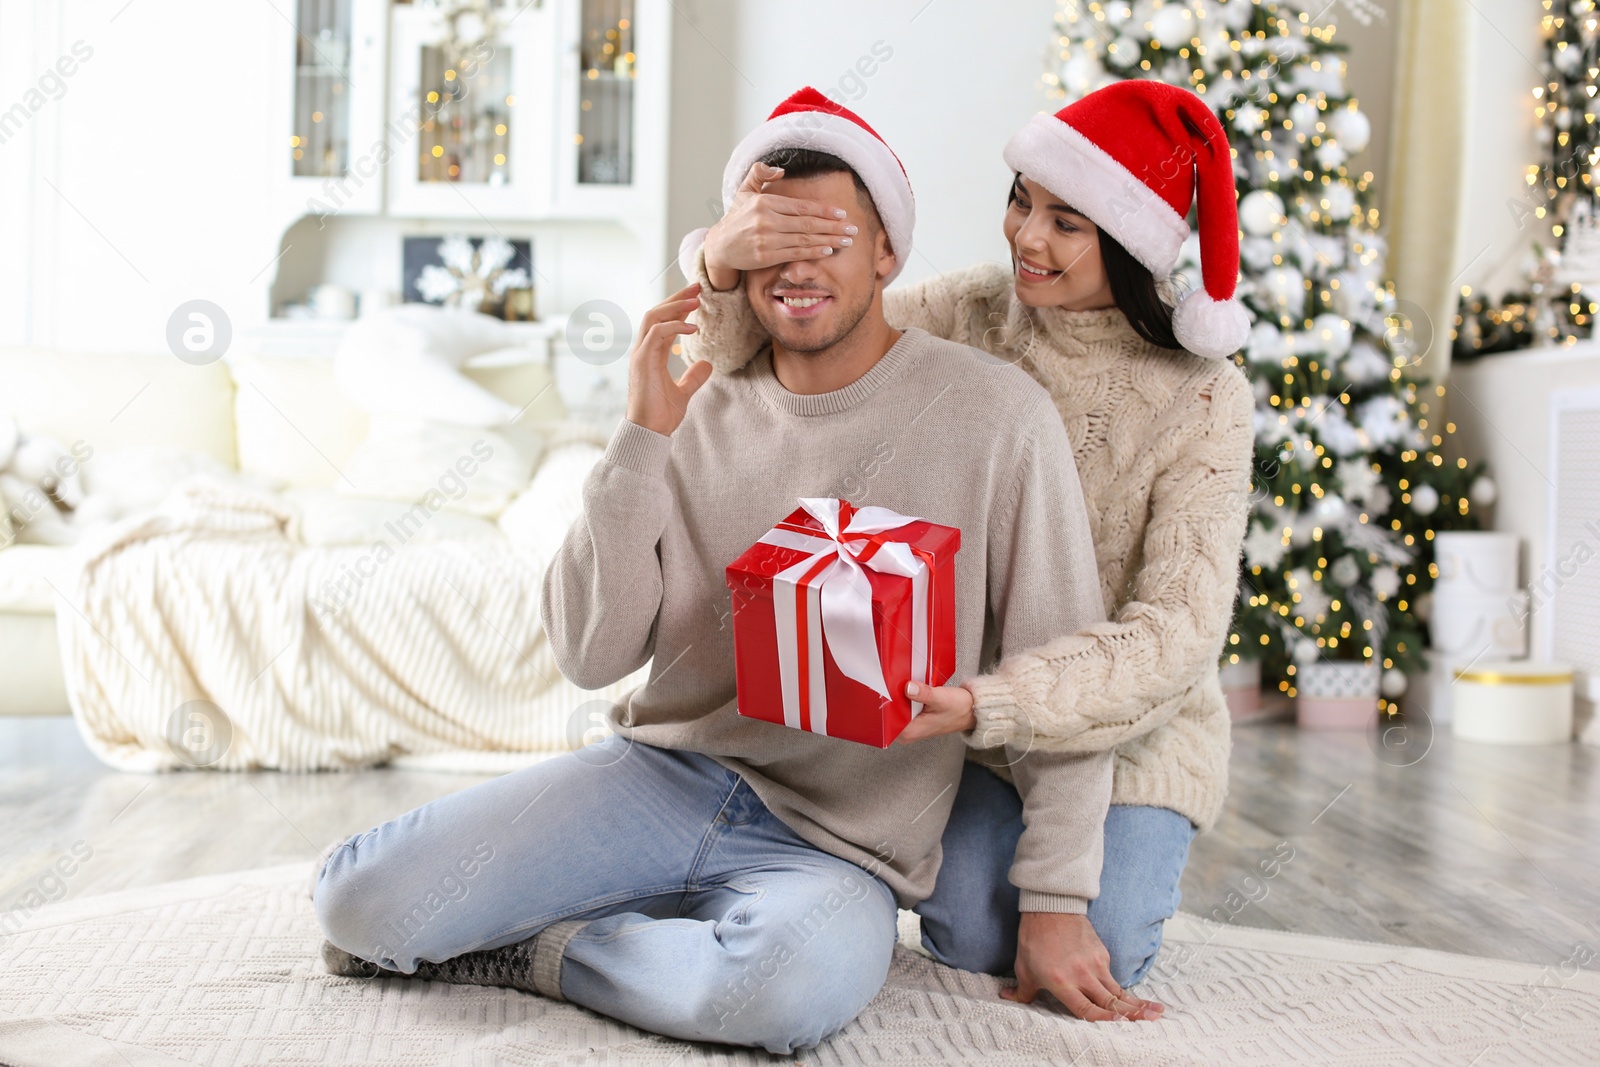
(1562, 276)
(487, 274)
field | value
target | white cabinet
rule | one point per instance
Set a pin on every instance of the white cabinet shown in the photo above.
(472, 127)
(405, 110)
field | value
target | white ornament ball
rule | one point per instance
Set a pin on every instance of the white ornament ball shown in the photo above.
(1305, 115)
(1330, 155)
(1386, 582)
(1352, 128)
(1284, 287)
(1256, 253)
(1123, 52)
(1341, 201)
(1247, 120)
(1082, 74)
(1354, 298)
(1172, 25)
(1424, 500)
(1483, 491)
(1118, 13)
(1266, 345)
(1334, 334)
(1261, 213)
(1394, 683)
(1346, 571)
(1305, 653)
(1236, 14)
(1331, 509)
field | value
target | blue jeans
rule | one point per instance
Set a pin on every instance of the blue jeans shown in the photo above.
(971, 919)
(675, 900)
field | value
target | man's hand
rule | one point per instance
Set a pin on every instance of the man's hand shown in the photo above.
(1062, 954)
(655, 400)
(945, 710)
(763, 229)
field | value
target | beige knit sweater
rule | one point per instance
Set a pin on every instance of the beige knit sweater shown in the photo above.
(1163, 441)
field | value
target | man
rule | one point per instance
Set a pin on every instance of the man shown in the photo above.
(704, 874)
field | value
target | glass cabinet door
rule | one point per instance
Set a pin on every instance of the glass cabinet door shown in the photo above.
(605, 92)
(336, 109)
(320, 144)
(613, 90)
(471, 113)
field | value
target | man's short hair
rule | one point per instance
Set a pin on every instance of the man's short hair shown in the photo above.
(810, 163)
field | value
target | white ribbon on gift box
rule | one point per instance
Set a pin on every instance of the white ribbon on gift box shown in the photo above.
(839, 605)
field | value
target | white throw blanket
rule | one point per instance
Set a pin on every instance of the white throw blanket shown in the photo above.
(319, 656)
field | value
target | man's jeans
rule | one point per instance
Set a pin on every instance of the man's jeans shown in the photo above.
(671, 897)
(971, 919)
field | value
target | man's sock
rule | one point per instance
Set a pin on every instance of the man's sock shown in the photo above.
(533, 966)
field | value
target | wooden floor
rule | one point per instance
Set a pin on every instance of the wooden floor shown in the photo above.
(1487, 850)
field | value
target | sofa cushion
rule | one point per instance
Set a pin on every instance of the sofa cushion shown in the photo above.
(30, 576)
(111, 400)
(295, 425)
(465, 467)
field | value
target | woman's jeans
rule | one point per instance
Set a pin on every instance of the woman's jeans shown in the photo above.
(971, 919)
(664, 892)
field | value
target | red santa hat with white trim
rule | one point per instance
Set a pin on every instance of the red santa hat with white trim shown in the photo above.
(1129, 157)
(808, 119)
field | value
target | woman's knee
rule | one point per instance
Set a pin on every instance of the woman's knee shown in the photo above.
(1132, 947)
(983, 941)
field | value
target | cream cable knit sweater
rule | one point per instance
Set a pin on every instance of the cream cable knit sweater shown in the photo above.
(1163, 442)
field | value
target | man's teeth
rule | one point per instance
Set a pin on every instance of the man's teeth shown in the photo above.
(801, 301)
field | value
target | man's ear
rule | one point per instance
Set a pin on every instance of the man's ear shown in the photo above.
(886, 256)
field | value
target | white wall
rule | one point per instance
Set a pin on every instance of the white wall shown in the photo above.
(135, 186)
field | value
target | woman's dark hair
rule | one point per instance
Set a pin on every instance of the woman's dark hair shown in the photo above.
(1133, 287)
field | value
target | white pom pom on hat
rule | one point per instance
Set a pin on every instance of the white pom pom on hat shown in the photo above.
(1130, 156)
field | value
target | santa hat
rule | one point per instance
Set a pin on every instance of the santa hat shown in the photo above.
(810, 120)
(1123, 157)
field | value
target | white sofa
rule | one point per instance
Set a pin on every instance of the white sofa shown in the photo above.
(281, 418)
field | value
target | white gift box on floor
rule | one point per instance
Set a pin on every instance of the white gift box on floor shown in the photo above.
(1523, 702)
(1466, 624)
(1478, 560)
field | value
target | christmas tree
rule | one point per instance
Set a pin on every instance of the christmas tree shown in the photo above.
(1349, 483)
(1559, 202)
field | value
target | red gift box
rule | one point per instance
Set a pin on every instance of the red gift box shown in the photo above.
(835, 609)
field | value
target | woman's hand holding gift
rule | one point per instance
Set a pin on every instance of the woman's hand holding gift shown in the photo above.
(945, 710)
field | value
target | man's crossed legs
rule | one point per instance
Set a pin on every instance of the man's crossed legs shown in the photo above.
(663, 891)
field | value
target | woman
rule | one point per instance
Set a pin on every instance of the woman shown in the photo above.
(1163, 439)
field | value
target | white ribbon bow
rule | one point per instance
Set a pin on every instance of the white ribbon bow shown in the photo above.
(838, 602)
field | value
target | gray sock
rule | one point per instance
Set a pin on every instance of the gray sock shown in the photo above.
(533, 965)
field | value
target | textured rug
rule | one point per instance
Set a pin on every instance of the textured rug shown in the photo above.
(223, 970)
